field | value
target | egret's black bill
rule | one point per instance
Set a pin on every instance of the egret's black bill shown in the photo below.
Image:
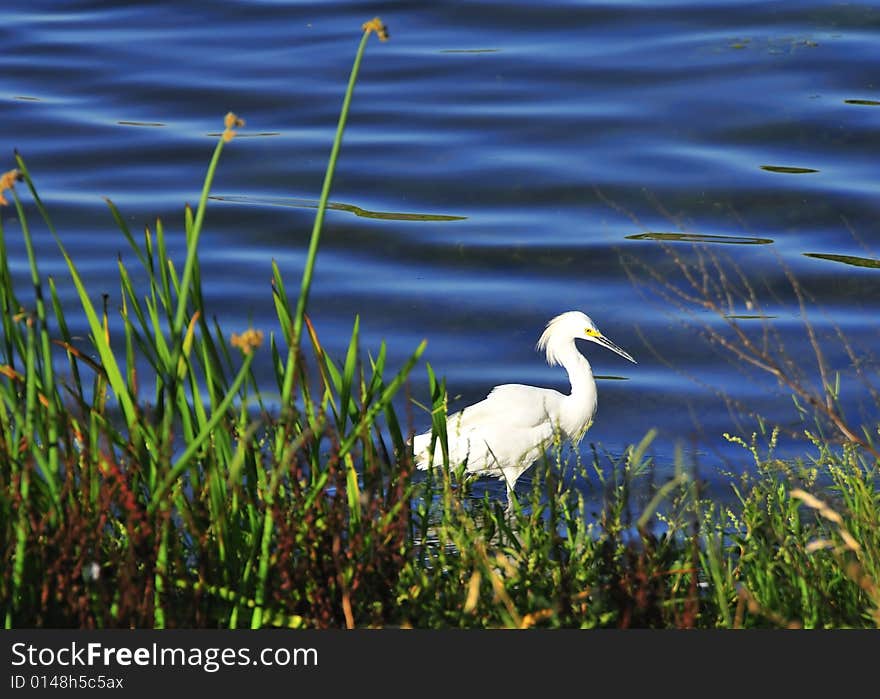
(605, 342)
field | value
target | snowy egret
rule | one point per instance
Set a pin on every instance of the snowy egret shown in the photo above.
(504, 434)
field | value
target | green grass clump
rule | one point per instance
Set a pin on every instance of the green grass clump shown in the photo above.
(176, 504)
(785, 557)
(146, 480)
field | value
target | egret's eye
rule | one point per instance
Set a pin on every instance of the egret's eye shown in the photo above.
(592, 332)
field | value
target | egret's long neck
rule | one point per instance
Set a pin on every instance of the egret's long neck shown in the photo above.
(580, 374)
(576, 412)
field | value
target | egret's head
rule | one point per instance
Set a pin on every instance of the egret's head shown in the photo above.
(573, 325)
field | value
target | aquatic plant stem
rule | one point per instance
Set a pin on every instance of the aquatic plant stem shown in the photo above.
(48, 378)
(302, 301)
(193, 243)
(319, 217)
(22, 525)
(183, 461)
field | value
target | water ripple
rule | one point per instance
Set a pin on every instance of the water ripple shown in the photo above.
(498, 159)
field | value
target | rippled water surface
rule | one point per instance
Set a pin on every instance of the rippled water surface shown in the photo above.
(504, 162)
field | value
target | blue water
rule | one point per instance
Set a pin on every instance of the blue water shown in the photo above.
(552, 134)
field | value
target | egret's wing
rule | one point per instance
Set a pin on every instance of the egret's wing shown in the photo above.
(507, 429)
(511, 405)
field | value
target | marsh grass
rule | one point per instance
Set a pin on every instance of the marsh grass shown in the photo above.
(799, 545)
(188, 503)
(146, 480)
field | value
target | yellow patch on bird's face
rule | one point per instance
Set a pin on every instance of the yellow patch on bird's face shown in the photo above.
(592, 332)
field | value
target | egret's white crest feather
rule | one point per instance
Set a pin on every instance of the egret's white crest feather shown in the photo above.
(552, 341)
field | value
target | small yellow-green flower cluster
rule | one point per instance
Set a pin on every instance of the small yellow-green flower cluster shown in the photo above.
(375, 25)
(7, 181)
(248, 341)
(231, 121)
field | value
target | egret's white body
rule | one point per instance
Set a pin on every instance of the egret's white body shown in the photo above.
(504, 434)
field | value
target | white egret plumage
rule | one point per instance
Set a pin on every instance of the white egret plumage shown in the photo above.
(504, 434)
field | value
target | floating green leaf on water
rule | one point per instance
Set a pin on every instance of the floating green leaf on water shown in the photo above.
(786, 170)
(846, 259)
(259, 134)
(338, 206)
(469, 50)
(700, 238)
(756, 316)
(864, 103)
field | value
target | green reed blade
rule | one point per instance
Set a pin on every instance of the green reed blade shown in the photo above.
(370, 413)
(282, 304)
(48, 373)
(163, 262)
(277, 364)
(129, 293)
(438, 415)
(263, 569)
(209, 366)
(9, 305)
(269, 494)
(193, 241)
(377, 366)
(158, 346)
(123, 226)
(161, 573)
(183, 461)
(224, 352)
(131, 367)
(229, 594)
(150, 255)
(101, 344)
(352, 490)
(198, 404)
(315, 240)
(348, 371)
(21, 527)
(99, 340)
(183, 411)
(397, 436)
(210, 359)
